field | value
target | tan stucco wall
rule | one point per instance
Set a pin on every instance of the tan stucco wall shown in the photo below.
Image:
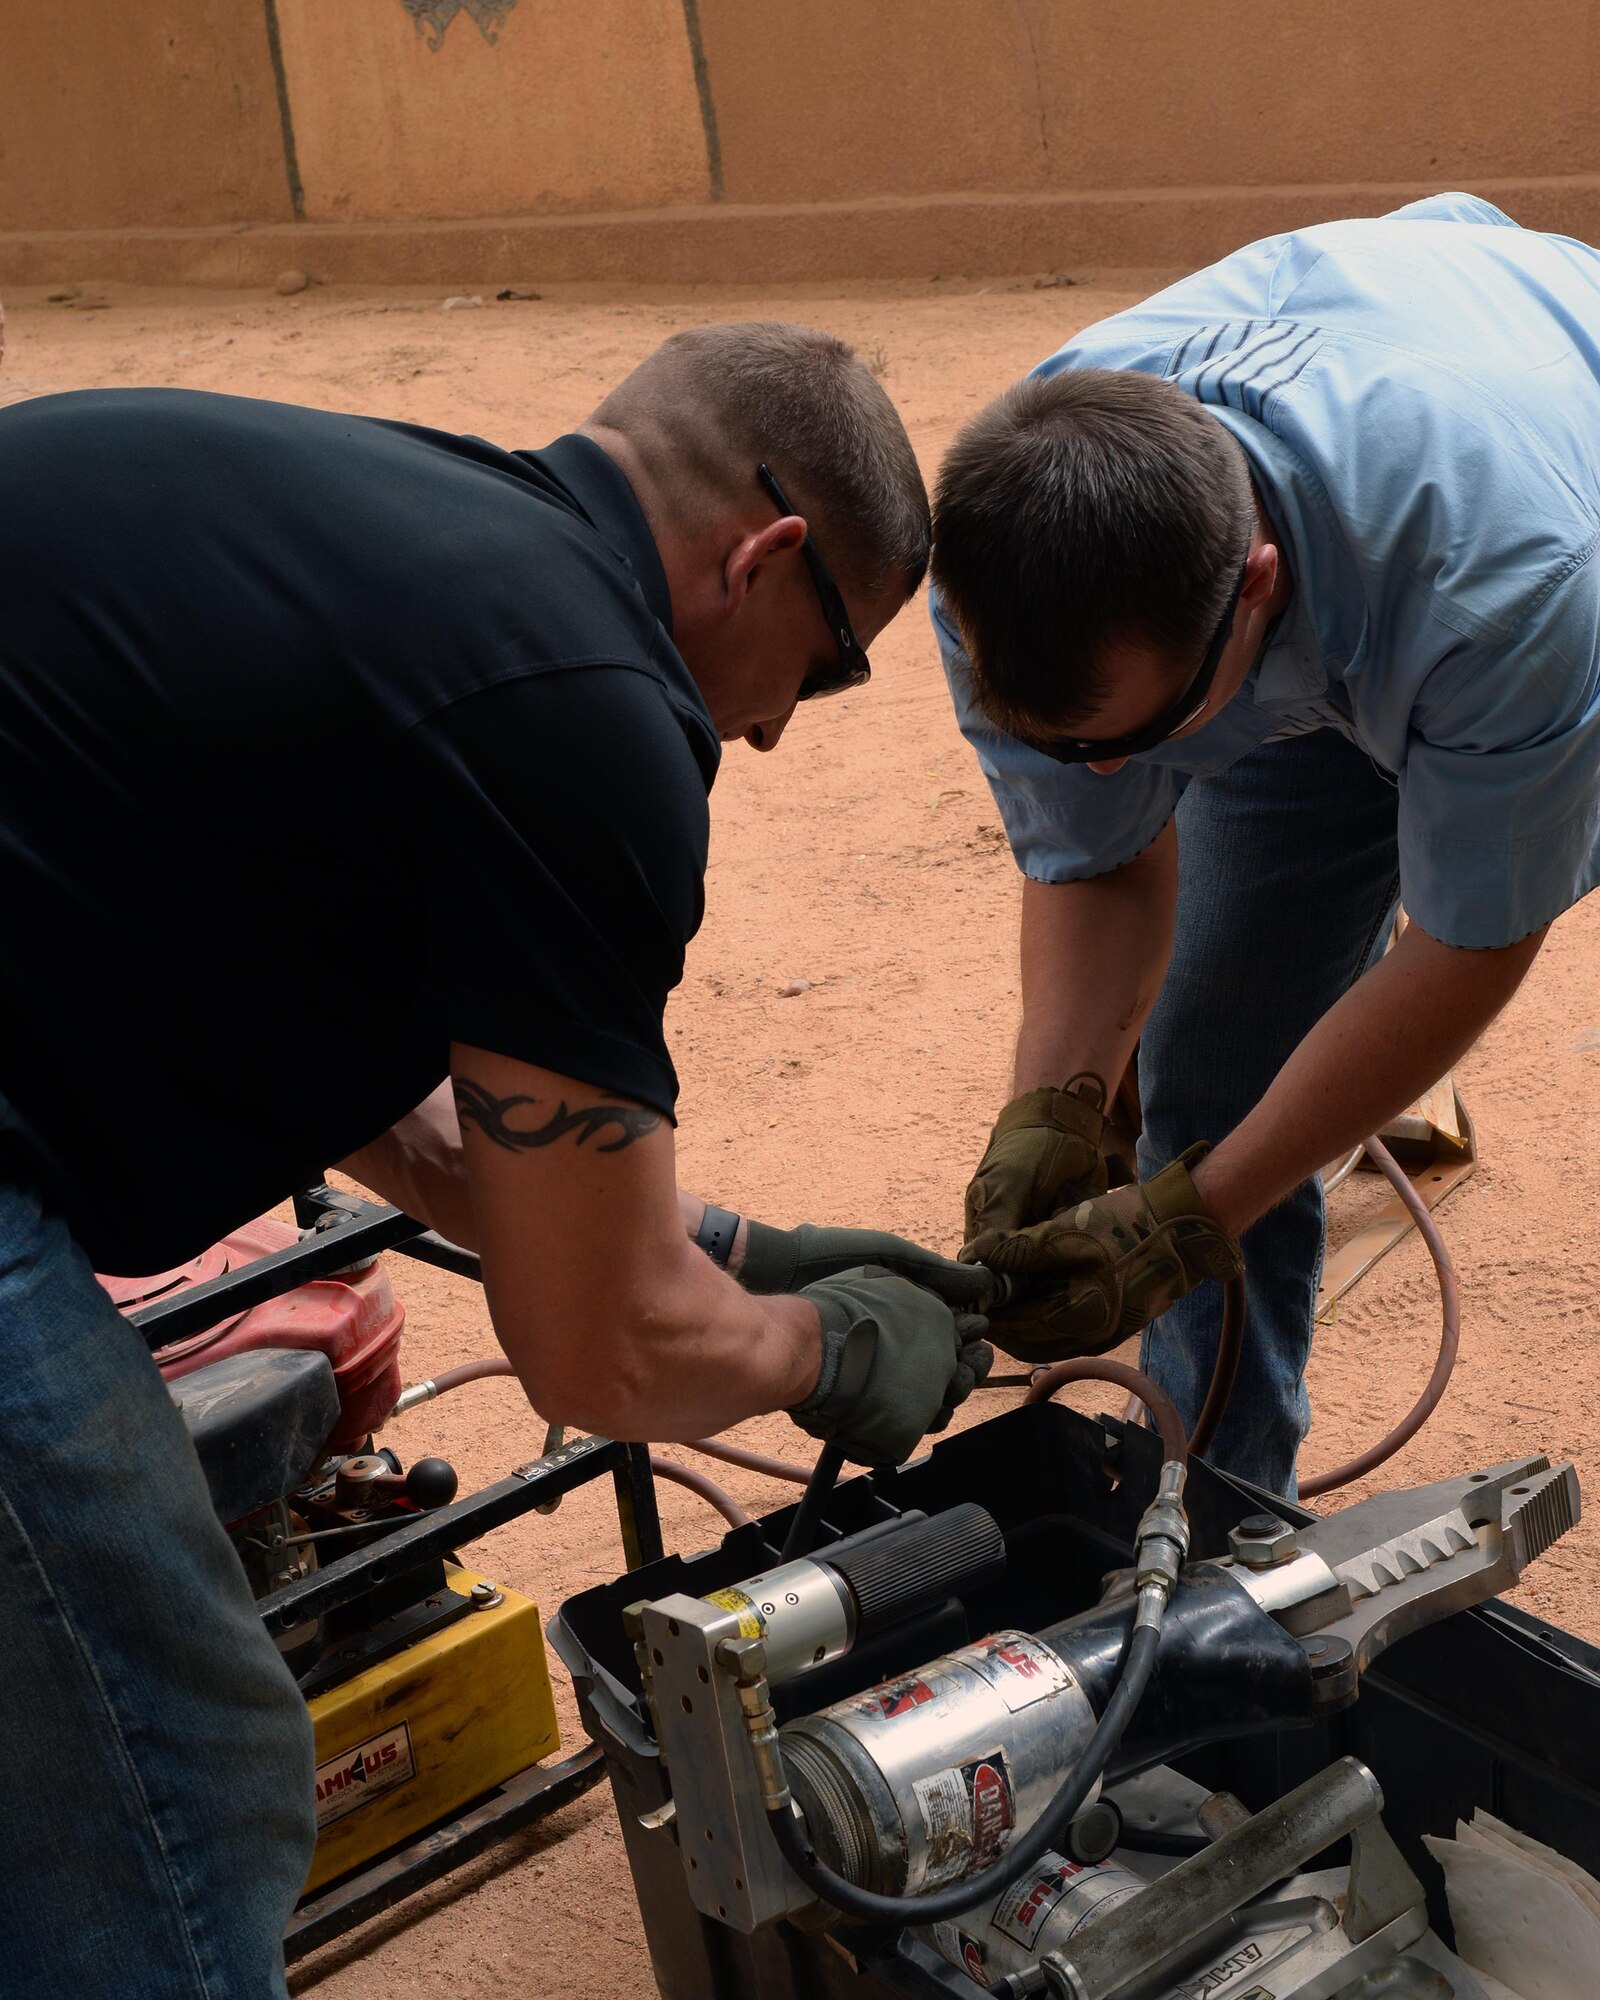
(719, 138)
(153, 112)
(571, 107)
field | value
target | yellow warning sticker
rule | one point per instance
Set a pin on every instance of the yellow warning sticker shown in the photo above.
(751, 1624)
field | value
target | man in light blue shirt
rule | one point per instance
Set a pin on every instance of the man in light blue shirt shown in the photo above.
(1353, 472)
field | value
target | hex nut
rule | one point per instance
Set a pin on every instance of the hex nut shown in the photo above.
(1262, 1541)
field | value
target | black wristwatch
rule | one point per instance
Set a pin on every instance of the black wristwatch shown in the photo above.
(718, 1227)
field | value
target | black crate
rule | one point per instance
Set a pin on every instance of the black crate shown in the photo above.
(1488, 1708)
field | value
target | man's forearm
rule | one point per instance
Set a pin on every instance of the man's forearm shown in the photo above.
(1395, 1033)
(695, 1356)
(1094, 955)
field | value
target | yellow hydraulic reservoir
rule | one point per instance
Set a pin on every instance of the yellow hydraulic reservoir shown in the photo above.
(418, 1736)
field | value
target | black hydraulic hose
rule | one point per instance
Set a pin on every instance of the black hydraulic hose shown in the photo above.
(867, 1905)
(802, 1535)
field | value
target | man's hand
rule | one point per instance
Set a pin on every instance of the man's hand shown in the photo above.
(896, 1362)
(1100, 1271)
(1045, 1151)
(788, 1260)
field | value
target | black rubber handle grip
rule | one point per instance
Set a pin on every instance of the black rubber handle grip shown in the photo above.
(895, 1575)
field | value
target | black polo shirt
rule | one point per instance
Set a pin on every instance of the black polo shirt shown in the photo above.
(324, 742)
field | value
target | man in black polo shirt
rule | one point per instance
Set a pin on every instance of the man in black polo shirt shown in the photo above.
(276, 688)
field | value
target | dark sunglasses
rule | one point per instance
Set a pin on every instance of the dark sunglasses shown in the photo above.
(1181, 713)
(854, 668)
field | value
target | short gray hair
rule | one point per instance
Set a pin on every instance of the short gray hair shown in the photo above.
(722, 400)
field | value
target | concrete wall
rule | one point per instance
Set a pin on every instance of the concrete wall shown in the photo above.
(415, 140)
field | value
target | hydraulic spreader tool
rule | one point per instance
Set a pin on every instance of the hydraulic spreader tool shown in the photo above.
(961, 1800)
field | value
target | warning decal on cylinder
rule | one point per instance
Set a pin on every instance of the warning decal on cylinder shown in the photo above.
(1027, 1903)
(894, 1698)
(357, 1776)
(1091, 1887)
(751, 1624)
(954, 1944)
(1020, 1669)
(967, 1812)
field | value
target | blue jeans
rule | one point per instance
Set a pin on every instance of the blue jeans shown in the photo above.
(1288, 873)
(156, 1817)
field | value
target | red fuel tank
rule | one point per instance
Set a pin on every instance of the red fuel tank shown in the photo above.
(354, 1318)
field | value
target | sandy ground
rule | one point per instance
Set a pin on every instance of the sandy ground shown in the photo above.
(865, 858)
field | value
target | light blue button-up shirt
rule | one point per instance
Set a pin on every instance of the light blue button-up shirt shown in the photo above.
(1419, 400)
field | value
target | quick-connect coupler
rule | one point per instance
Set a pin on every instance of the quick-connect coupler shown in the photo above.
(1162, 1546)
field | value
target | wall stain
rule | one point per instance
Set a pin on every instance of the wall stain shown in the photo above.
(280, 83)
(435, 16)
(708, 109)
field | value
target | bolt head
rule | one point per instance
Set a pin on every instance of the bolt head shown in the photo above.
(1262, 1541)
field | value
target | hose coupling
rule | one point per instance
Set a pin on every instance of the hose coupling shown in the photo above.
(1163, 1540)
(746, 1660)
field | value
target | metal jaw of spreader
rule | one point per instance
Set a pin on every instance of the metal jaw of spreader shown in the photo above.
(1353, 1583)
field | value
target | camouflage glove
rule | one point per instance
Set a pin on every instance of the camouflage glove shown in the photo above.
(787, 1260)
(1044, 1151)
(896, 1361)
(1096, 1273)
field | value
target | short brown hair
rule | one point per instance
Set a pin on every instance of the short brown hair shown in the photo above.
(1080, 509)
(714, 402)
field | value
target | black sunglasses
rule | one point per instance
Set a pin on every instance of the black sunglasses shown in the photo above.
(1181, 713)
(854, 668)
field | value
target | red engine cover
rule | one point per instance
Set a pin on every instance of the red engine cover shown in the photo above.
(355, 1319)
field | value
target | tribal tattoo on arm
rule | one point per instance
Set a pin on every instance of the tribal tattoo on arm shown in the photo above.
(477, 1106)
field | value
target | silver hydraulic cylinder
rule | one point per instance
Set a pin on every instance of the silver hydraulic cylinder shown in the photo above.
(923, 1780)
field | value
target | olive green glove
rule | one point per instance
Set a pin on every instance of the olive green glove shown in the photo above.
(896, 1361)
(788, 1260)
(1044, 1151)
(1096, 1273)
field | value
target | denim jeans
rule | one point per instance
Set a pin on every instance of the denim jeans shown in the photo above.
(156, 1817)
(1288, 873)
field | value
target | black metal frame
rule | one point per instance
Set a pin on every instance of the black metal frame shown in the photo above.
(344, 1230)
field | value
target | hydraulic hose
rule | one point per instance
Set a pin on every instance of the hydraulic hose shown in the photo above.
(697, 1482)
(1225, 1373)
(824, 1476)
(1230, 1347)
(1449, 1338)
(1048, 1831)
(751, 1461)
(1096, 1368)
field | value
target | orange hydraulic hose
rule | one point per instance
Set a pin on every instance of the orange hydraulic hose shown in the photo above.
(471, 1371)
(1449, 1338)
(1230, 1347)
(751, 1461)
(1096, 1368)
(1045, 1381)
(697, 1482)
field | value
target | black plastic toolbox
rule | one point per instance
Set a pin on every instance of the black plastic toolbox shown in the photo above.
(1489, 1707)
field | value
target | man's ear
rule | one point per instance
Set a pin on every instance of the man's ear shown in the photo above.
(1260, 575)
(744, 561)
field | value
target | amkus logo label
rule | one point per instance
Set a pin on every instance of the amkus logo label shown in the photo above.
(355, 1776)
